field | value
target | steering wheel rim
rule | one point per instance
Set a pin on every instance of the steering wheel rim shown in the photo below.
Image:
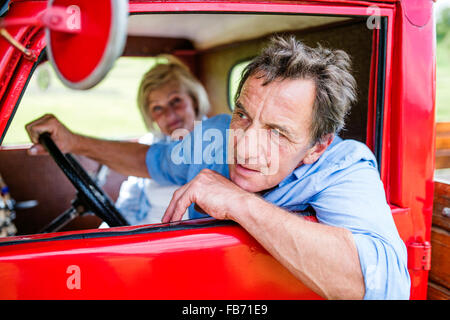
(94, 197)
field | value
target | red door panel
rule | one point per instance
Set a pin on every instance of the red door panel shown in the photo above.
(208, 260)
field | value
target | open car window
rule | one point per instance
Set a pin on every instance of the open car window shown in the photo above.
(108, 110)
(234, 79)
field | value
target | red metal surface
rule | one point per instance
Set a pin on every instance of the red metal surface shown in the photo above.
(17, 72)
(412, 131)
(312, 7)
(84, 51)
(231, 262)
(221, 262)
(55, 18)
(419, 256)
(14, 68)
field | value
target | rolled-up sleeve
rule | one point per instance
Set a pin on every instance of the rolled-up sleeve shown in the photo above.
(383, 268)
(355, 200)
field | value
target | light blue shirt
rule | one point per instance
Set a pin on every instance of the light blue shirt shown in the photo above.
(343, 187)
(142, 200)
(133, 202)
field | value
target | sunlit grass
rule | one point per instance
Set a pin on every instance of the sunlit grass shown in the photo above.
(443, 81)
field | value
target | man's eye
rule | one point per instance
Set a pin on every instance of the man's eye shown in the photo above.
(275, 132)
(241, 115)
(278, 134)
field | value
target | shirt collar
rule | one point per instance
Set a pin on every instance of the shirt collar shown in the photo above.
(303, 169)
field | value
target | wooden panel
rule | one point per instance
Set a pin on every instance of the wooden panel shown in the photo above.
(148, 46)
(440, 258)
(442, 145)
(443, 141)
(437, 292)
(439, 275)
(441, 216)
(443, 159)
(442, 127)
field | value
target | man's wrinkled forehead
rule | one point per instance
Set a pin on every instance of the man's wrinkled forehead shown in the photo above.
(286, 102)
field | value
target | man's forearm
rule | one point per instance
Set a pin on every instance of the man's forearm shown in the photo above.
(324, 258)
(127, 158)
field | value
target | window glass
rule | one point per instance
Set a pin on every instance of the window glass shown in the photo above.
(234, 79)
(108, 110)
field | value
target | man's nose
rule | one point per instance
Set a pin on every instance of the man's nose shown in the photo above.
(249, 148)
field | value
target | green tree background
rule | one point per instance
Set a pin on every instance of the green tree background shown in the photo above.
(443, 64)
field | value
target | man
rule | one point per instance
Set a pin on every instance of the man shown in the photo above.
(282, 155)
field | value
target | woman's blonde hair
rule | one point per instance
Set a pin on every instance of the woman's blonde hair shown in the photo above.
(163, 73)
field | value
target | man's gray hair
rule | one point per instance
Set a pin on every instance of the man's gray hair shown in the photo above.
(288, 58)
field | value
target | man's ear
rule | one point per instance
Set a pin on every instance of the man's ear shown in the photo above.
(318, 149)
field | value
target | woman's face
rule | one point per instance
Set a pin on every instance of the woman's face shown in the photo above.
(171, 107)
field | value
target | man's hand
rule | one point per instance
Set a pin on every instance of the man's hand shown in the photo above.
(212, 192)
(323, 257)
(63, 137)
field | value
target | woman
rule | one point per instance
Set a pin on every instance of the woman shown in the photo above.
(169, 98)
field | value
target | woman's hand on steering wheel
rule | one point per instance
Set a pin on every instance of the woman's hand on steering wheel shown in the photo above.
(66, 140)
(89, 193)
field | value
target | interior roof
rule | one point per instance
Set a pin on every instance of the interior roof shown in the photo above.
(208, 30)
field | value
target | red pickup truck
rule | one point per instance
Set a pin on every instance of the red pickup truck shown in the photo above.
(392, 43)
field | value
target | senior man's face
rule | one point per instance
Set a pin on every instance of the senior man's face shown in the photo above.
(270, 132)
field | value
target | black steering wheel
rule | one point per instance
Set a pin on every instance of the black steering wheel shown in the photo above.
(90, 197)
